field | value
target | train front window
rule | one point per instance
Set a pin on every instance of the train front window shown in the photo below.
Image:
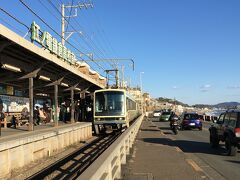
(109, 103)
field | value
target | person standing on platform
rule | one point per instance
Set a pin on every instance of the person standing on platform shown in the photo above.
(36, 116)
(63, 112)
(2, 116)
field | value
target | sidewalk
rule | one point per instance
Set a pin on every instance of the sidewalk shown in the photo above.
(154, 157)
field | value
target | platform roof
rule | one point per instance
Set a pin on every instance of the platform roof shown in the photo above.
(19, 52)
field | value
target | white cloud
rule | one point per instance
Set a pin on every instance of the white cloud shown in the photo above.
(175, 87)
(205, 87)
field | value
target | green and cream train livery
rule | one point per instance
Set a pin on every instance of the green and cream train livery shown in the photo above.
(114, 109)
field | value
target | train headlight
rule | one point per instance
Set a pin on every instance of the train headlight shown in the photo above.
(120, 119)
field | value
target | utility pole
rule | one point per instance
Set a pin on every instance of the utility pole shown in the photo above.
(116, 68)
(80, 6)
(116, 76)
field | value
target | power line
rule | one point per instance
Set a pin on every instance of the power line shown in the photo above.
(50, 2)
(11, 25)
(101, 32)
(57, 18)
(14, 18)
(85, 36)
(68, 21)
(51, 27)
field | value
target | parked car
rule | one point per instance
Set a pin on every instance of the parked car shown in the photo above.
(227, 129)
(157, 113)
(165, 116)
(190, 121)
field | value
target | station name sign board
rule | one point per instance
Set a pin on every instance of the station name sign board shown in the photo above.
(46, 40)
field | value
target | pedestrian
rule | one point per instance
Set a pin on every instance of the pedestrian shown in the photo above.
(77, 111)
(42, 116)
(2, 116)
(14, 122)
(63, 111)
(36, 116)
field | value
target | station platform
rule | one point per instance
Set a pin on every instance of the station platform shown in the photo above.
(22, 131)
(154, 157)
(20, 147)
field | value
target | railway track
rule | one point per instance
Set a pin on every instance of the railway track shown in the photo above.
(71, 166)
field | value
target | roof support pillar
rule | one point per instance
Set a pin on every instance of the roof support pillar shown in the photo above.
(30, 77)
(56, 105)
(72, 101)
(55, 84)
(72, 105)
(31, 123)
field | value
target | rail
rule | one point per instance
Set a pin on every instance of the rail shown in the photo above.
(75, 163)
(108, 165)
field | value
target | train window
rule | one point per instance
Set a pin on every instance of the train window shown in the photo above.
(131, 105)
(109, 103)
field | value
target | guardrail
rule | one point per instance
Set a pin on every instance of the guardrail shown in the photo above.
(108, 165)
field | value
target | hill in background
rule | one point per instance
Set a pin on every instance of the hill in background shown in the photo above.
(224, 105)
(162, 99)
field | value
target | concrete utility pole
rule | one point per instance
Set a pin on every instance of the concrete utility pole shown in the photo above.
(116, 76)
(80, 6)
(115, 69)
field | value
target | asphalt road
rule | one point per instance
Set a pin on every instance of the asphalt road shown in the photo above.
(195, 144)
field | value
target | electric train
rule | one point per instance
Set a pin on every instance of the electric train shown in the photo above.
(114, 109)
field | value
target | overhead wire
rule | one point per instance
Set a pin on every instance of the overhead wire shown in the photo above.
(100, 49)
(46, 7)
(17, 20)
(49, 1)
(57, 18)
(68, 20)
(93, 45)
(103, 34)
(52, 29)
(89, 45)
(14, 18)
(11, 25)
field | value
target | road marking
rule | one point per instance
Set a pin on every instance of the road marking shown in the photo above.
(194, 165)
(178, 149)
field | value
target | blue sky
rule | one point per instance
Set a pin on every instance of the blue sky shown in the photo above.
(188, 49)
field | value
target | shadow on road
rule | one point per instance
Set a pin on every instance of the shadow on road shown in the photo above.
(188, 146)
(164, 128)
(232, 161)
(152, 126)
(149, 129)
(168, 133)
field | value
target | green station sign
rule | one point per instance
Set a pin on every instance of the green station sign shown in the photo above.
(46, 40)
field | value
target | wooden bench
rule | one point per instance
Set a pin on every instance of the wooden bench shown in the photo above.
(17, 115)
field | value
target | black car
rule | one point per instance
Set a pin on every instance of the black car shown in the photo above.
(227, 129)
